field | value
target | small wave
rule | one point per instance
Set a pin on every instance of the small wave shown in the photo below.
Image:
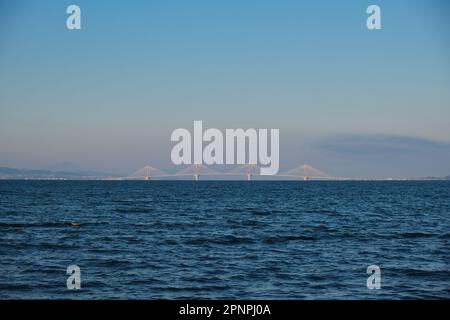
(205, 288)
(282, 239)
(10, 212)
(13, 225)
(17, 286)
(38, 245)
(114, 262)
(35, 224)
(226, 240)
(232, 210)
(437, 274)
(253, 223)
(415, 235)
(47, 224)
(133, 210)
(323, 211)
(261, 212)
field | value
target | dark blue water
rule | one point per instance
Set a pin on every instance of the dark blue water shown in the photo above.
(206, 239)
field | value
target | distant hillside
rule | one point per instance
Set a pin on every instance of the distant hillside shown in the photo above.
(435, 178)
(62, 167)
(13, 173)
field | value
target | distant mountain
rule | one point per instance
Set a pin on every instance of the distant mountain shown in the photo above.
(63, 166)
(69, 167)
(13, 173)
(6, 170)
(435, 178)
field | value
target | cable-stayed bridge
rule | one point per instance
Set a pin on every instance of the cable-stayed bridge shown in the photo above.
(247, 171)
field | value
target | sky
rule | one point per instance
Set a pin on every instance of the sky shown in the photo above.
(349, 101)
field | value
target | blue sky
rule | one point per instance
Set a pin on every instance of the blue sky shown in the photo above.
(108, 96)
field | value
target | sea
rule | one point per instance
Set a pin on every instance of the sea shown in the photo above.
(224, 239)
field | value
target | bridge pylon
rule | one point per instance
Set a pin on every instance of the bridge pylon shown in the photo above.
(197, 172)
(147, 170)
(146, 173)
(249, 168)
